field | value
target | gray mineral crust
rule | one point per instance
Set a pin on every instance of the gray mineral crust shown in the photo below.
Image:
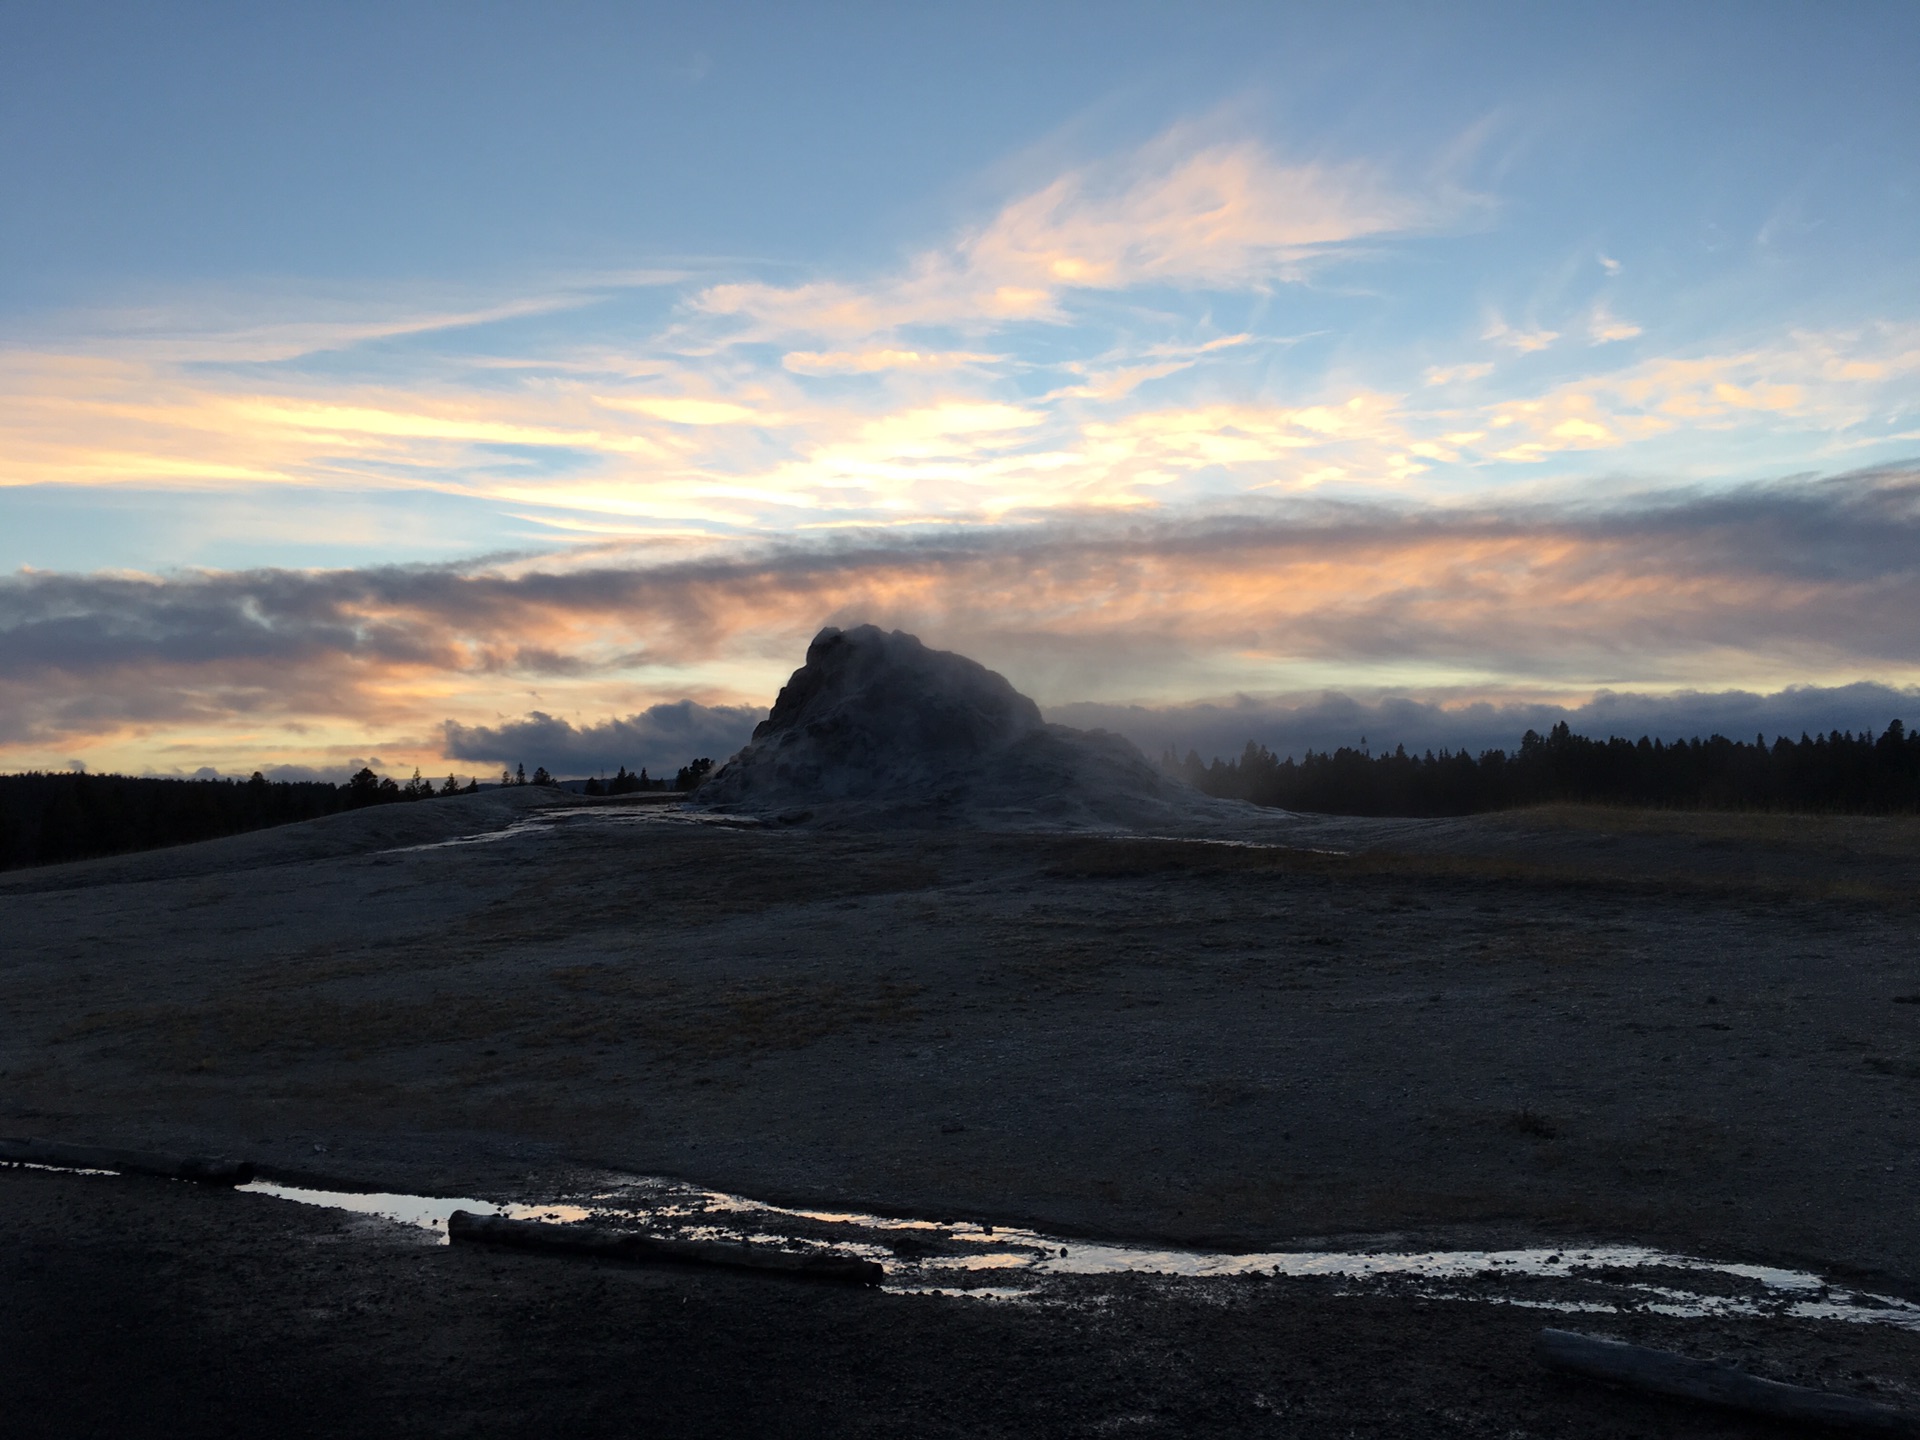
(878, 730)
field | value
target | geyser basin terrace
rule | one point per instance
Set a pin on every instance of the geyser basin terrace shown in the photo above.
(1459, 1035)
(1682, 1030)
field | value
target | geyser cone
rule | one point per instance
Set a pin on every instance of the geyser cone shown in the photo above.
(878, 729)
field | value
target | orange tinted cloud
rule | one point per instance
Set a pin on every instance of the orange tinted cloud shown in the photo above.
(689, 443)
(1713, 590)
(878, 359)
(1525, 341)
(1176, 213)
(1604, 327)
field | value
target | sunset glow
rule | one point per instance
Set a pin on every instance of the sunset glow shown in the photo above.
(1516, 373)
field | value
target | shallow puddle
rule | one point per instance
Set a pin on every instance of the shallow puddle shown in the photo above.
(428, 1212)
(987, 1262)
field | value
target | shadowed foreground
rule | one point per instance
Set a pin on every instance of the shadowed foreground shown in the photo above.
(1695, 1031)
(152, 1309)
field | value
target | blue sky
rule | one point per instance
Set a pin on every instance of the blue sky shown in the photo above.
(1496, 334)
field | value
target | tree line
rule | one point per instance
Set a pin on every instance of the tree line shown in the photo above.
(1836, 772)
(47, 818)
(689, 777)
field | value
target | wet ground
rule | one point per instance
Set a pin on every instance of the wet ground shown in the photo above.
(154, 1308)
(1558, 1029)
(678, 1222)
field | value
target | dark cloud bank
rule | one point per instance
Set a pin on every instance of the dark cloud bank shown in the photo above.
(659, 739)
(664, 737)
(1329, 721)
(1811, 577)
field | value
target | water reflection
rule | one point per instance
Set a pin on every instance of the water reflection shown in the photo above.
(961, 1258)
(427, 1212)
(977, 1261)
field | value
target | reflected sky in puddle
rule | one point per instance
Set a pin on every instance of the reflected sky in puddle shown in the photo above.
(935, 1257)
(428, 1212)
(944, 1258)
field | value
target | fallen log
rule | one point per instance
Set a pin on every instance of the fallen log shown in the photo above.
(464, 1227)
(1711, 1382)
(202, 1169)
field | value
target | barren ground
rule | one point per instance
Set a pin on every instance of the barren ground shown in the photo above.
(1696, 1031)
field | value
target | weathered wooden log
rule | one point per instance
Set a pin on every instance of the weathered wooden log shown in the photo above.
(203, 1169)
(464, 1227)
(1710, 1382)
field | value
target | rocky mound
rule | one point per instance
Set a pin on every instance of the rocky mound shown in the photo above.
(877, 729)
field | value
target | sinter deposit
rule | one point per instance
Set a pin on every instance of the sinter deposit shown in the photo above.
(877, 729)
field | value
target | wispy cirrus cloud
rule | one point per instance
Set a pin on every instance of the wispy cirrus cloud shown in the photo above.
(1522, 339)
(257, 323)
(878, 359)
(685, 444)
(749, 408)
(1606, 328)
(1173, 213)
(1830, 383)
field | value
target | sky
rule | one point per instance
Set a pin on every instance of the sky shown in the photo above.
(458, 386)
